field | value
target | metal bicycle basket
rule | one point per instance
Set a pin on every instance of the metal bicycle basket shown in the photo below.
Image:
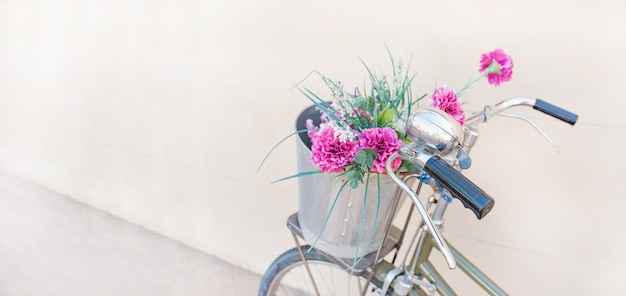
(339, 225)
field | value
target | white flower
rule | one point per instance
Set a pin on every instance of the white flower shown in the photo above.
(399, 123)
(343, 133)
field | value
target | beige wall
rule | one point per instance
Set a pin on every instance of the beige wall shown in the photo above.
(160, 111)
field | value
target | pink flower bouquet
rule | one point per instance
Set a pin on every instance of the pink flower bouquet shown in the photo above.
(357, 131)
(360, 130)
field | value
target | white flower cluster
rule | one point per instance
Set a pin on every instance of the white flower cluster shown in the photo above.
(344, 133)
(399, 122)
(338, 96)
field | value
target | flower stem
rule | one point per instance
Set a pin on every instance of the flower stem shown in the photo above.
(470, 82)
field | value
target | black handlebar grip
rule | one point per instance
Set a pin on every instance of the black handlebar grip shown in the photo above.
(555, 111)
(459, 186)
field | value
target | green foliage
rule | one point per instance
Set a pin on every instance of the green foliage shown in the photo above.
(301, 174)
(385, 117)
(328, 216)
(386, 102)
(366, 157)
(274, 148)
(363, 162)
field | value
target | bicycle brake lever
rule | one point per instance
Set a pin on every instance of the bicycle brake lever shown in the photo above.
(545, 136)
(428, 222)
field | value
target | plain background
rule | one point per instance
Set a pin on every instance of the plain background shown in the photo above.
(160, 112)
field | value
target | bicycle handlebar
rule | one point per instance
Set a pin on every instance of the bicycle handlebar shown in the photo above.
(537, 104)
(460, 187)
(555, 111)
(470, 195)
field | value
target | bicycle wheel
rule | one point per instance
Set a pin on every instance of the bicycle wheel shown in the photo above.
(288, 276)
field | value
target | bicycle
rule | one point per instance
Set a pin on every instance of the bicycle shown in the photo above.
(308, 271)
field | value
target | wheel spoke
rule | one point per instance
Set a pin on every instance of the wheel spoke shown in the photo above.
(288, 275)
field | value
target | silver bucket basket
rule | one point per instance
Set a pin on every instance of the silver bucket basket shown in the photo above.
(343, 234)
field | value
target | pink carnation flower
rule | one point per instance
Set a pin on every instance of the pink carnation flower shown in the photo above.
(329, 153)
(361, 113)
(499, 66)
(312, 129)
(385, 142)
(446, 100)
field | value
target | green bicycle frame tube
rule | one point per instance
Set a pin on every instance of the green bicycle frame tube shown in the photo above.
(426, 269)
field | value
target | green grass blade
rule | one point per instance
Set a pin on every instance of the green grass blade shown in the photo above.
(275, 146)
(377, 85)
(369, 243)
(332, 206)
(305, 78)
(321, 104)
(301, 174)
(358, 257)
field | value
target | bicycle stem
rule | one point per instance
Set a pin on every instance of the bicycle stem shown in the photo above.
(438, 239)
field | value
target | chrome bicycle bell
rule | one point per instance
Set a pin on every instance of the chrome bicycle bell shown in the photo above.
(436, 130)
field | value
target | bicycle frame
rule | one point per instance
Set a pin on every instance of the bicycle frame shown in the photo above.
(421, 272)
(427, 269)
(422, 267)
(426, 243)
